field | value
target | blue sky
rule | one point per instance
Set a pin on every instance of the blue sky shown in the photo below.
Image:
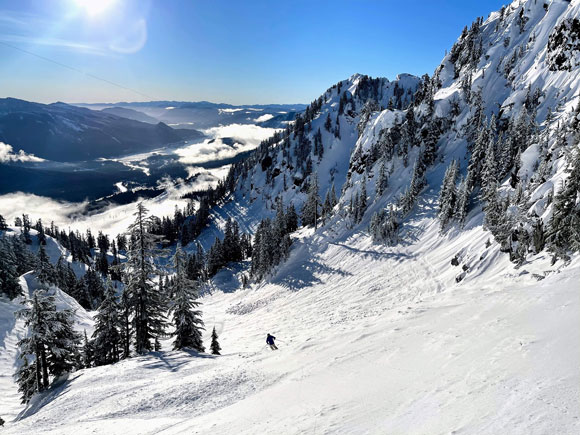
(239, 52)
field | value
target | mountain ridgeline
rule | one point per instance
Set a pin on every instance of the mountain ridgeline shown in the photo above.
(488, 143)
(491, 137)
(66, 133)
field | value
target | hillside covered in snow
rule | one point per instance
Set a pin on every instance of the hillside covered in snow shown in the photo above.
(412, 244)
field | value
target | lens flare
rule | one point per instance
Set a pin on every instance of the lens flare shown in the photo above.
(95, 7)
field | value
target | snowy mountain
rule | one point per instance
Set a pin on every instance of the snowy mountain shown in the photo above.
(124, 112)
(203, 114)
(430, 296)
(66, 133)
(499, 105)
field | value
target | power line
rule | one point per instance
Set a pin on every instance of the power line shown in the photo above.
(76, 70)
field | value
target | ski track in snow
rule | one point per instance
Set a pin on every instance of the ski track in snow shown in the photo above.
(370, 342)
(372, 339)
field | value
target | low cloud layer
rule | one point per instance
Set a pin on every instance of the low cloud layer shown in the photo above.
(18, 203)
(7, 154)
(111, 220)
(246, 137)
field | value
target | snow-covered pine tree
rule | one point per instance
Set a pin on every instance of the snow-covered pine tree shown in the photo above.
(147, 308)
(88, 352)
(185, 313)
(94, 287)
(310, 212)
(462, 203)
(52, 343)
(3, 225)
(27, 380)
(363, 198)
(26, 230)
(564, 227)
(328, 123)
(215, 346)
(64, 355)
(44, 270)
(326, 208)
(41, 235)
(382, 179)
(495, 219)
(108, 324)
(291, 219)
(333, 198)
(448, 194)
(489, 171)
(9, 284)
(125, 329)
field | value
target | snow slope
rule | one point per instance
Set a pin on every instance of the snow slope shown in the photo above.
(372, 340)
(12, 330)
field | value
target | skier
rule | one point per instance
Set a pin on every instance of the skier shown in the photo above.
(270, 340)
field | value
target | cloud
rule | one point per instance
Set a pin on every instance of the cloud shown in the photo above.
(61, 212)
(246, 137)
(229, 110)
(7, 155)
(111, 220)
(265, 117)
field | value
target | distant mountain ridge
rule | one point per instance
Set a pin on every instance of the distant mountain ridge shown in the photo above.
(66, 133)
(204, 114)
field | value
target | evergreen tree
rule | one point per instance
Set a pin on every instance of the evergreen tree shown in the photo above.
(215, 346)
(564, 227)
(3, 225)
(333, 198)
(51, 342)
(125, 329)
(496, 220)
(448, 194)
(9, 284)
(107, 340)
(146, 303)
(93, 286)
(27, 380)
(363, 198)
(26, 229)
(538, 236)
(489, 171)
(310, 212)
(291, 219)
(88, 352)
(462, 203)
(382, 180)
(41, 235)
(328, 123)
(45, 271)
(384, 226)
(185, 313)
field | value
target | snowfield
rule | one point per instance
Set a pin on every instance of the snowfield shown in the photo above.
(372, 340)
(438, 334)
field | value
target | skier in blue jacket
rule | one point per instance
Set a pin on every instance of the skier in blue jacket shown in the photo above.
(270, 340)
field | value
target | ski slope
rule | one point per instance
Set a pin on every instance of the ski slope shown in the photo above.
(372, 340)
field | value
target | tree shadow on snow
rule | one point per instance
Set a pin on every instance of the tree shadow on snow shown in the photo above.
(172, 361)
(58, 388)
(375, 254)
(305, 275)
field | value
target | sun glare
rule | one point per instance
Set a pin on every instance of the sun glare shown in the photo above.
(95, 7)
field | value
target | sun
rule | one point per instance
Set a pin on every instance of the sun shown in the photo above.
(95, 7)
